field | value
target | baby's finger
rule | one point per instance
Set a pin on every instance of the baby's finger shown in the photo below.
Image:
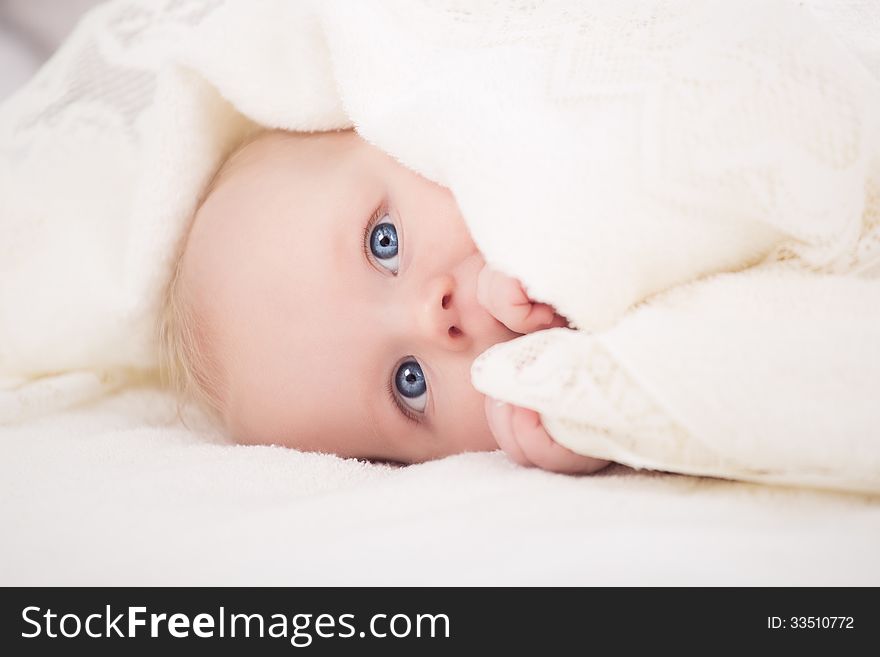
(512, 307)
(541, 316)
(540, 449)
(485, 284)
(498, 415)
(496, 290)
(558, 321)
(507, 301)
(519, 313)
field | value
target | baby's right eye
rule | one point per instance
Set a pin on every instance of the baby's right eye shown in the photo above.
(409, 380)
(384, 245)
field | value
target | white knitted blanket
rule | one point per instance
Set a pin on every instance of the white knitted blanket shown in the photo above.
(727, 148)
(600, 152)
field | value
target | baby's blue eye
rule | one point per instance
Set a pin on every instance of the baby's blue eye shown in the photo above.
(383, 244)
(410, 383)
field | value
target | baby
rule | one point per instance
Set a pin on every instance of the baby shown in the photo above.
(329, 299)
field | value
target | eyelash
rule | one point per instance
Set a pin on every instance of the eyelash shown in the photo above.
(408, 413)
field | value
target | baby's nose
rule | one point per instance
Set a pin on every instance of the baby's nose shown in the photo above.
(439, 319)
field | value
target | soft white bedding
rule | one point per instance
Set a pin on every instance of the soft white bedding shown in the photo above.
(118, 493)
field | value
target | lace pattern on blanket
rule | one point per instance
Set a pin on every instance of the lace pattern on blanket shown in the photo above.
(591, 403)
(863, 253)
(575, 379)
(107, 80)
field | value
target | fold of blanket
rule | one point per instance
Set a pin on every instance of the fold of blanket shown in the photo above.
(600, 152)
(769, 375)
(103, 156)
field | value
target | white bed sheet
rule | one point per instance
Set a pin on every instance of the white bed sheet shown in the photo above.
(120, 493)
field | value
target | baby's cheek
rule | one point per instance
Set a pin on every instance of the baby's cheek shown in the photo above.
(479, 435)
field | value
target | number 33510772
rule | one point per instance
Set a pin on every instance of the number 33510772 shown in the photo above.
(810, 623)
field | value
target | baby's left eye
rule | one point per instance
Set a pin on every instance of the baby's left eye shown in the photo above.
(384, 245)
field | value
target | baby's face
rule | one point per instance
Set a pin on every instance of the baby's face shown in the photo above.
(337, 294)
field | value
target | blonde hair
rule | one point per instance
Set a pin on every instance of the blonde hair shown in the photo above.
(185, 363)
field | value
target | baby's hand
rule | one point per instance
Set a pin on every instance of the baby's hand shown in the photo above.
(521, 436)
(506, 300)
